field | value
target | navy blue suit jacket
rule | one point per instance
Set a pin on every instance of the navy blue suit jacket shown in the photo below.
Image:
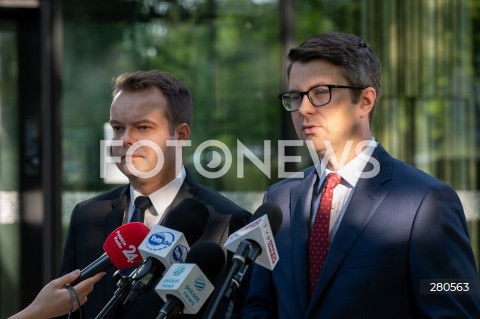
(93, 220)
(400, 227)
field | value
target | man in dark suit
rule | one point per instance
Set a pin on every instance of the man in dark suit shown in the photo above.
(148, 109)
(363, 234)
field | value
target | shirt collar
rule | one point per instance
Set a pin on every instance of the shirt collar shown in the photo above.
(162, 197)
(351, 171)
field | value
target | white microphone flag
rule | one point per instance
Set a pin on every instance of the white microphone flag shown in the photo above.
(260, 232)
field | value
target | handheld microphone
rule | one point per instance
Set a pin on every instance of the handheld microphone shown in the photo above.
(186, 287)
(168, 244)
(121, 250)
(253, 243)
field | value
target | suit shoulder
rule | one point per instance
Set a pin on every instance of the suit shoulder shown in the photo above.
(106, 196)
(415, 176)
(395, 173)
(293, 181)
(221, 203)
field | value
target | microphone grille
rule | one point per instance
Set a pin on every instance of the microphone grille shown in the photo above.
(274, 213)
(209, 256)
(122, 244)
(189, 217)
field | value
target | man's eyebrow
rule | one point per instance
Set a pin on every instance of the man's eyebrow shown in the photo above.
(140, 122)
(144, 121)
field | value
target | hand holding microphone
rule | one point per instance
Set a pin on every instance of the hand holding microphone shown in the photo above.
(121, 250)
(54, 300)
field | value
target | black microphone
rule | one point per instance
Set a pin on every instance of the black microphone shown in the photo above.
(184, 287)
(121, 250)
(253, 243)
(165, 245)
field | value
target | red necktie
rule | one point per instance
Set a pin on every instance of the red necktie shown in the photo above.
(318, 245)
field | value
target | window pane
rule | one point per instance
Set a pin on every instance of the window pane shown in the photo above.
(9, 172)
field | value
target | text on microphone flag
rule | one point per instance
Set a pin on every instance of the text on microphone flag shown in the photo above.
(260, 232)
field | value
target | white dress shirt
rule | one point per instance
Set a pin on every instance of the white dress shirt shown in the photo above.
(342, 194)
(161, 199)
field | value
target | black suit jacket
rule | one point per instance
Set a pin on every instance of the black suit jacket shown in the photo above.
(93, 220)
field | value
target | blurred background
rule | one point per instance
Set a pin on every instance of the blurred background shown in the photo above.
(58, 58)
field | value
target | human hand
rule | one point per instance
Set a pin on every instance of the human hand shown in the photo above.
(54, 300)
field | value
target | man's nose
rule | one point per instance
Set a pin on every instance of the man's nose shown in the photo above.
(306, 107)
(128, 137)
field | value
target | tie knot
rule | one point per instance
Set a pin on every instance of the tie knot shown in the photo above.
(332, 180)
(142, 203)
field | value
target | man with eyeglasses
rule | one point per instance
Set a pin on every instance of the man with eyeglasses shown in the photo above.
(363, 235)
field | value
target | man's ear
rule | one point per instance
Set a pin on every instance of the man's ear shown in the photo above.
(367, 101)
(182, 131)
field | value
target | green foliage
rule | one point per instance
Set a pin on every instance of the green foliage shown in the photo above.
(227, 53)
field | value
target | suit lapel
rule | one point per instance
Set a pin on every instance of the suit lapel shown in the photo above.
(367, 196)
(300, 207)
(113, 220)
(216, 224)
(115, 217)
(187, 190)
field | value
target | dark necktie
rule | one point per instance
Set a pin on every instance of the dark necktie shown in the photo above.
(141, 204)
(318, 244)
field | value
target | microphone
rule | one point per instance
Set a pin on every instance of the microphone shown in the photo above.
(258, 236)
(253, 243)
(161, 247)
(121, 250)
(186, 287)
(168, 244)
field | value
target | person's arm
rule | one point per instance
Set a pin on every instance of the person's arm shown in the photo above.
(54, 299)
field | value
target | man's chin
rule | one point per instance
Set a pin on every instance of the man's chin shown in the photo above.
(138, 173)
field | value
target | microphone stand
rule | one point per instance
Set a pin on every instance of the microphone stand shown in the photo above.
(236, 281)
(132, 286)
(234, 277)
(146, 276)
(123, 285)
(172, 306)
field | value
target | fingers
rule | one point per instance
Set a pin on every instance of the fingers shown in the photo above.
(66, 279)
(85, 287)
(89, 282)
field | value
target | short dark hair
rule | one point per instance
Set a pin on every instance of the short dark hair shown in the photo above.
(179, 101)
(359, 64)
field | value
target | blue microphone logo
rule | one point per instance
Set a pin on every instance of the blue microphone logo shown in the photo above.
(200, 283)
(159, 241)
(179, 270)
(179, 254)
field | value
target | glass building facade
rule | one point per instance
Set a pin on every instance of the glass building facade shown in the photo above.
(58, 58)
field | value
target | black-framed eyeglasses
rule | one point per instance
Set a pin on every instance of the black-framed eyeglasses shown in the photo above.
(318, 95)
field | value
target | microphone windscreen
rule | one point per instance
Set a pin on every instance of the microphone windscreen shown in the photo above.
(189, 217)
(122, 244)
(209, 256)
(273, 212)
